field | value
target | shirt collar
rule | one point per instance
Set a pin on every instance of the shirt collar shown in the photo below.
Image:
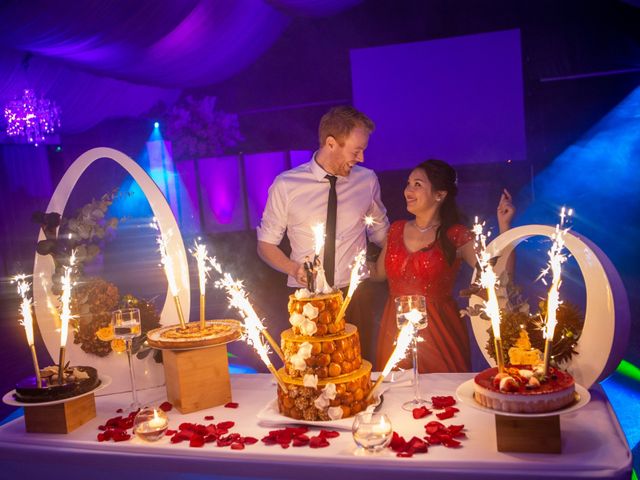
(319, 173)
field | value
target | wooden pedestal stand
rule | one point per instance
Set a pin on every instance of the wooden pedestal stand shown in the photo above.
(62, 417)
(528, 435)
(197, 379)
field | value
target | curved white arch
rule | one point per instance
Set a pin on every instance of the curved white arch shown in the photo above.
(607, 318)
(43, 269)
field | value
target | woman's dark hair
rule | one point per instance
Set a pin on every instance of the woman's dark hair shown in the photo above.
(444, 178)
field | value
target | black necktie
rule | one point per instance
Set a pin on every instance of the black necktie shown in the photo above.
(330, 240)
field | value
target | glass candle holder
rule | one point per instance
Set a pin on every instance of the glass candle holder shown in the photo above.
(372, 431)
(150, 424)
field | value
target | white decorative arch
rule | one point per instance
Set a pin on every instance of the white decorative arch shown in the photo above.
(148, 373)
(607, 319)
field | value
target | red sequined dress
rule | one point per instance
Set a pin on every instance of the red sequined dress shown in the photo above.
(426, 272)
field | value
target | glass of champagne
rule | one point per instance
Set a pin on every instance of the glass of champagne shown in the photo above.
(413, 308)
(372, 431)
(126, 326)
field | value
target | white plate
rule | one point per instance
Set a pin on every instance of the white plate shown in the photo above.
(271, 415)
(105, 381)
(464, 393)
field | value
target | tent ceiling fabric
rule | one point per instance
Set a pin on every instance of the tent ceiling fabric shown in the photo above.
(147, 50)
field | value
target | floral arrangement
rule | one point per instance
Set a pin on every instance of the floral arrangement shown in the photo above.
(93, 299)
(516, 317)
(198, 130)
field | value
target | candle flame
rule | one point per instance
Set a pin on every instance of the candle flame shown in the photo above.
(357, 273)
(318, 236)
(405, 337)
(488, 278)
(24, 287)
(556, 259)
(166, 261)
(65, 299)
(200, 254)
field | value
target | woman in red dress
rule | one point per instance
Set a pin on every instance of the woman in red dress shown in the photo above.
(422, 256)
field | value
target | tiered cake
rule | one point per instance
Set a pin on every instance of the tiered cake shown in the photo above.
(326, 377)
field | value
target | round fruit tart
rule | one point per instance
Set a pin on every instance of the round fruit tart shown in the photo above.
(524, 389)
(215, 332)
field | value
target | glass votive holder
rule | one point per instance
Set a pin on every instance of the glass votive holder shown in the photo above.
(372, 431)
(150, 424)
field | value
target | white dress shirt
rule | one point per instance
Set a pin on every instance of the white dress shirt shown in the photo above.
(298, 200)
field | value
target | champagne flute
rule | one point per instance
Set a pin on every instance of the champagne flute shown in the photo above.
(126, 326)
(413, 308)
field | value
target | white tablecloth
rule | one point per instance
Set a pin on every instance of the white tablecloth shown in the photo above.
(593, 445)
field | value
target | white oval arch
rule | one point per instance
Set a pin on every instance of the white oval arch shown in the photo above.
(148, 374)
(607, 318)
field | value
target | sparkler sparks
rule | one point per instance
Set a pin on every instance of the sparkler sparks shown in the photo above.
(356, 276)
(404, 340)
(200, 254)
(169, 271)
(27, 320)
(556, 259)
(489, 281)
(253, 326)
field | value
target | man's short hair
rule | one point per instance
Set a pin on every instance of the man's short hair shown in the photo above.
(340, 121)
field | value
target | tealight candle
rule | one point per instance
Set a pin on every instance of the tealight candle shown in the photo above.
(150, 424)
(372, 431)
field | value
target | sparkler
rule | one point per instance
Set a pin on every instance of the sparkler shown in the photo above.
(27, 320)
(556, 259)
(405, 338)
(200, 254)
(168, 269)
(356, 277)
(369, 221)
(65, 314)
(253, 326)
(489, 280)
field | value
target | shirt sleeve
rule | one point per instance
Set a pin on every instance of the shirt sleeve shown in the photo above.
(378, 231)
(459, 235)
(274, 218)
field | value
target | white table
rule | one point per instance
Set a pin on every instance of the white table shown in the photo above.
(592, 442)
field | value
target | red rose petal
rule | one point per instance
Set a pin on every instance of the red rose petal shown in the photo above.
(196, 441)
(237, 446)
(421, 412)
(225, 425)
(119, 410)
(397, 442)
(433, 427)
(451, 443)
(318, 442)
(329, 433)
(165, 407)
(444, 415)
(231, 405)
(442, 401)
(208, 417)
(101, 437)
(249, 440)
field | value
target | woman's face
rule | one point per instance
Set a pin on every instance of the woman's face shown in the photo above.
(419, 193)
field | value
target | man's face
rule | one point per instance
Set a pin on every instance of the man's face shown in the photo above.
(344, 157)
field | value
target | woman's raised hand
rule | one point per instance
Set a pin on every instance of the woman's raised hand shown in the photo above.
(506, 211)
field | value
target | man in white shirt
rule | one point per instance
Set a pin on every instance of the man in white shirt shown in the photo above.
(298, 199)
